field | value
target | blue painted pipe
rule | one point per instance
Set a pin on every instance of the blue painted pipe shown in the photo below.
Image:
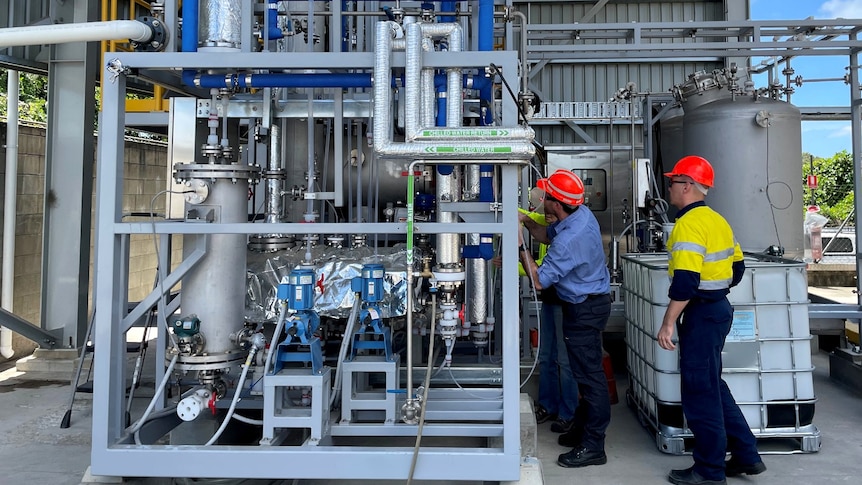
(301, 80)
(486, 183)
(486, 25)
(445, 169)
(486, 98)
(297, 80)
(484, 250)
(441, 109)
(190, 26)
(273, 32)
(447, 6)
(321, 80)
(344, 34)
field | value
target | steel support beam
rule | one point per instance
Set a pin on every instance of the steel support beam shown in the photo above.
(856, 143)
(46, 340)
(69, 179)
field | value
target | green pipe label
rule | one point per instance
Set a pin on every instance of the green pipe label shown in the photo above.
(464, 133)
(468, 149)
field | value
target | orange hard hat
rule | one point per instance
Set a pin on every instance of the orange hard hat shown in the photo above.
(564, 186)
(698, 168)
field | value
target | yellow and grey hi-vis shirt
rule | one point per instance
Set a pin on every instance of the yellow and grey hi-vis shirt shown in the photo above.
(704, 259)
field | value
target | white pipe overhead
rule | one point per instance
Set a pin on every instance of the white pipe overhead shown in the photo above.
(132, 30)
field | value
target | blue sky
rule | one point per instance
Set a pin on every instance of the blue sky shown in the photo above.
(820, 138)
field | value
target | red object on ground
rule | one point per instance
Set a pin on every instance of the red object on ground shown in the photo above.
(609, 375)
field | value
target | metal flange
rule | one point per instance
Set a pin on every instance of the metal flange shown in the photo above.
(157, 41)
(189, 171)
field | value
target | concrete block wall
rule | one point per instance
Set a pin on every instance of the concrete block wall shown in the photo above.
(28, 228)
(145, 177)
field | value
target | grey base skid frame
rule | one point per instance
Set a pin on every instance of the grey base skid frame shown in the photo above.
(679, 441)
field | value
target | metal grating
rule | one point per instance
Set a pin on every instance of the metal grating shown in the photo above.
(579, 110)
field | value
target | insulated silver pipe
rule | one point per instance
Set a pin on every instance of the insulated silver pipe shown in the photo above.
(428, 91)
(413, 95)
(448, 244)
(454, 92)
(477, 269)
(448, 186)
(275, 186)
(220, 25)
(519, 141)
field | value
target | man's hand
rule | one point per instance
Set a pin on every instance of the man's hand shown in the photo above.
(665, 336)
(497, 261)
(671, 315)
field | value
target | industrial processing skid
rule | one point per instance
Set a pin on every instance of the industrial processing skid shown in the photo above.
(340, 176)
(372, 112)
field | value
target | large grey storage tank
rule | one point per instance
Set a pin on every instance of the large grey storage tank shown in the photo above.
(670, 138)
(755, 145)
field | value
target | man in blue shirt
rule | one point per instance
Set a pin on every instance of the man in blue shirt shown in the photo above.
(575, 266)
(558, 390)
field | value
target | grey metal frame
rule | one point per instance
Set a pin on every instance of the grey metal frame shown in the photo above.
(499, 461)
(641, 41)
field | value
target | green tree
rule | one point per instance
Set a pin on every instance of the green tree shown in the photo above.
(33, 96)
(834, 193)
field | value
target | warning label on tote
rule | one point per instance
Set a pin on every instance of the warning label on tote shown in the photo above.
(743, 327)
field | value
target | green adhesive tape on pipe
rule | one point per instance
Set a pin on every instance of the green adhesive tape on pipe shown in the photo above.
(410, 196)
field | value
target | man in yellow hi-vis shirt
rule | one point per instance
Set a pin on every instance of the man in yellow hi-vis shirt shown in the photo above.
(704, 262)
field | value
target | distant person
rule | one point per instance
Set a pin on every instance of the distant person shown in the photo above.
(575, 266)
(704, 262)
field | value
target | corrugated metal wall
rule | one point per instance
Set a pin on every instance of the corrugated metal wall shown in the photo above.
(16, 13)
(623, 11)
(599, 81)
(606, 153)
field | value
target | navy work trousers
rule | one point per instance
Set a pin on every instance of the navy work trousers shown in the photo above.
(583, 324)
(710, 410)
(558, 390)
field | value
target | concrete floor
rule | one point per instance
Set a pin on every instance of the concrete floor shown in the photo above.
(34, 449)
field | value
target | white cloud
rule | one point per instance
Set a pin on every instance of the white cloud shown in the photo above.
(842, 132)
(848, 9)
(830, 126)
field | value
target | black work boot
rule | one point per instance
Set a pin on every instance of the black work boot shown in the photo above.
(582, 456)
(691, 477)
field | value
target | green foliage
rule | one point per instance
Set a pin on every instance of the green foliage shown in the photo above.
(33, 96)
(33, 100)
(834, 193)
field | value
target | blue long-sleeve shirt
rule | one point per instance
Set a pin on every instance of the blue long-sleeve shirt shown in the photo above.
(575, 262)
